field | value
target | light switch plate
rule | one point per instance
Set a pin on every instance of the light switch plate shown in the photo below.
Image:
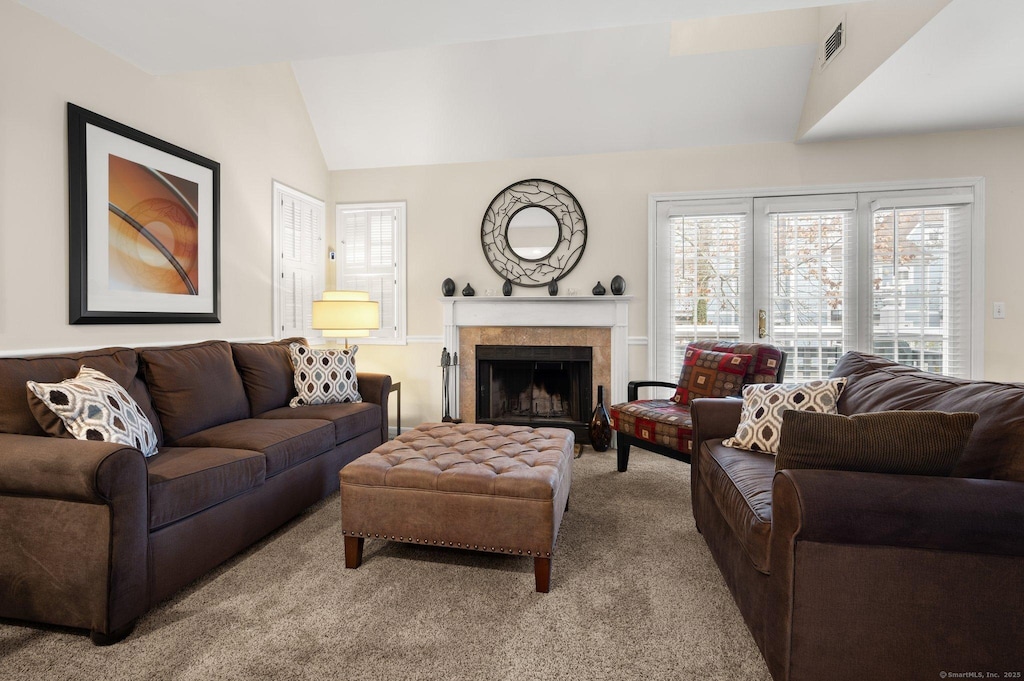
(998, 310)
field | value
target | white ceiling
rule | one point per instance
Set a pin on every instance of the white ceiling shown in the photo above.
(586, 92)
(164, 36)
(407, 82)
(964, 69)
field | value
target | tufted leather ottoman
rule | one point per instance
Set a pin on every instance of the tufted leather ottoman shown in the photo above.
(472, 486)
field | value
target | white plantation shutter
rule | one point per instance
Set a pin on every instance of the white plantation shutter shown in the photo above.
(921, 279)
(703, 286)
(300, 224)
(372, 246)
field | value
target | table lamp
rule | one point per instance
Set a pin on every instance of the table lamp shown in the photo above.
(346, 314)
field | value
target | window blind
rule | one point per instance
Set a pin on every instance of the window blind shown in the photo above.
(369, 262)
(921, 280)
(811, 276)
(706, 283)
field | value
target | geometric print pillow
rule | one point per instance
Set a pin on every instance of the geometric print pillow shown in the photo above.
(764, 404)
(707, 373)
(324, 375)
(93, 406)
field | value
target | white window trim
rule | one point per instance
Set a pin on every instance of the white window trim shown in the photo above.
(977, 362)
(401, 332)
(278, 189)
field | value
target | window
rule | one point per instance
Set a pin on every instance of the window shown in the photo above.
(371, 239)
(298, 234)
(890, 273)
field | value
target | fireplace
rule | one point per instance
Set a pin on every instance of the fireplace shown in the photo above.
(534, 386)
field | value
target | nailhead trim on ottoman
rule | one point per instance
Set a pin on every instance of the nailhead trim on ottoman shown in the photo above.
(501, 489)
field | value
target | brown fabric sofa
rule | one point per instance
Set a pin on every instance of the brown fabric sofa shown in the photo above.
(93, 534)
(847, 575)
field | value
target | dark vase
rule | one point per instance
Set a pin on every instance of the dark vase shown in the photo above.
(506, 288)
(598, 290)
(448, 287)
(468, 291)
(553, 288)
(600, 425)
(618, 285)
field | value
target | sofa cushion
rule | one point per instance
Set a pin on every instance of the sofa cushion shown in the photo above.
(996, 447)
(740, 482)
(194, 387)
(895, 442)
(662, 422)
(187, 480)
(350, 419)
(120, 364)
(93, 406)
(707, 373)
(763, 368)
(284, 442)
(267, 374)
(763, 406)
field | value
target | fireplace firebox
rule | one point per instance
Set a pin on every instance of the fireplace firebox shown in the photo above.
(535, 386)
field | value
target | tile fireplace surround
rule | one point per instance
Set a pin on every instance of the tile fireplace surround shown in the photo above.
(602, 322)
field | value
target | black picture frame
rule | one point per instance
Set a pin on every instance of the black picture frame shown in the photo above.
(189, 203)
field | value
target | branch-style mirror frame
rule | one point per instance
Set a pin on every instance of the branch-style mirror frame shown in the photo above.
(572, 232)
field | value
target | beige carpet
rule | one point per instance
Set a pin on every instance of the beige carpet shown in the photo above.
(635, 595)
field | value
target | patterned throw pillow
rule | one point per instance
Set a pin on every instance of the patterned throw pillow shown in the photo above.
(707, 373)
(93, 406)
(324, 375)
(763, 406)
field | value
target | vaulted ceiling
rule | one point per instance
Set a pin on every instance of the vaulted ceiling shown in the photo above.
(404, 82)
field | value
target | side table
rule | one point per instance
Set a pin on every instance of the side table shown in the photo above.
(396, 387)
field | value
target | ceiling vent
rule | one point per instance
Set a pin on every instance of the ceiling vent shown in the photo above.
(833, 43)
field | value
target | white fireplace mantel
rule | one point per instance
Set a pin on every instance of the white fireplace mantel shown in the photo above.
(538, 311)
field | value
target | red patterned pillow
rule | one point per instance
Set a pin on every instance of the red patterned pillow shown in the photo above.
(707, 373)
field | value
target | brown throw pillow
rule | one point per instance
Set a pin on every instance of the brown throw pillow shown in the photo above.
(899, 442)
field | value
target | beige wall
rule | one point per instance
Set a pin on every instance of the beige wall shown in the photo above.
(446, 203)
(252, 120)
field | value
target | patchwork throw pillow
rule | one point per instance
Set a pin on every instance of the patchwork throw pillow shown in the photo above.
(93, 406)
(897, 442)
(764, 404)
(324, 375)
(707, 373)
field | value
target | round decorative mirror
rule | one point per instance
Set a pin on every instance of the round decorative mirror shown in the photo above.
(533, 232)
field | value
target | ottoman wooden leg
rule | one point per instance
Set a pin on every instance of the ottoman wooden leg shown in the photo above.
(353, 552)
(542, 574)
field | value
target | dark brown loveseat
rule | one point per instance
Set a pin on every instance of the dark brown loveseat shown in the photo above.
(844, 575)
(93, 534)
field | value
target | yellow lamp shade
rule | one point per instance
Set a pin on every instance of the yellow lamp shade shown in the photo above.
(346, 295)
(346, 314)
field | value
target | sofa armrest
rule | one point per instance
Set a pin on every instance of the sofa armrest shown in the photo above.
(64, 468)
(714, 417)
(926, 573)
(944, 514)
(375, 388)
(73, 533)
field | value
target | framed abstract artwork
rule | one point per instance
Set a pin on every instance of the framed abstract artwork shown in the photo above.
(144, 227)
